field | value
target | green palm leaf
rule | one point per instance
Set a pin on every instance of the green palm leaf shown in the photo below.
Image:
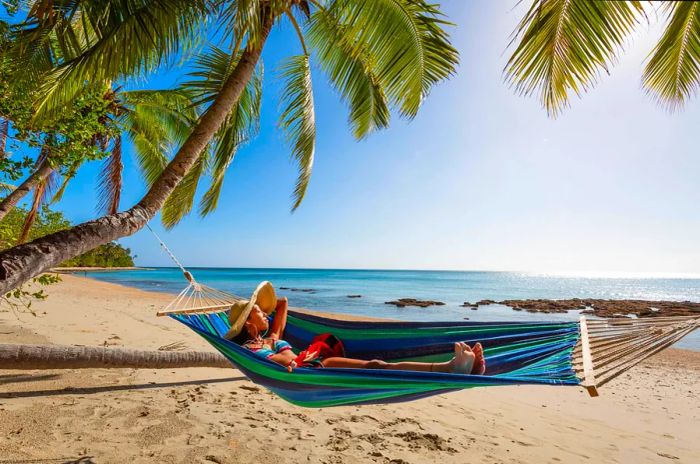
(172, 110)
(67, 177)
(564, 44)
(156, 121)
(179, 203)
(350, 69)
(212, 69)
(42, 192)
(107, 40)
(110, 180)
(298, 119)
(672, 74)
(406, 41)
(6, 188)
(239, 128)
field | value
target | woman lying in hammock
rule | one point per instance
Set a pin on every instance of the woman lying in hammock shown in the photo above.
(252, 329)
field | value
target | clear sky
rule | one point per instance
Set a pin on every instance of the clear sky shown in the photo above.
(480, 180)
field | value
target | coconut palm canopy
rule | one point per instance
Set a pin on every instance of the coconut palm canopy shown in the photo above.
(380, 55)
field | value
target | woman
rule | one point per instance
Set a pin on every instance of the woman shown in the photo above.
(251, 328)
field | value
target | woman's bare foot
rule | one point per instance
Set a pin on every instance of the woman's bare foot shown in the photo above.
(463, 362)
(479, 361)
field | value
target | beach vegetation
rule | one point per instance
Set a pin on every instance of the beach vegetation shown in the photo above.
(48, 221)
(47, 152)
(380, 55)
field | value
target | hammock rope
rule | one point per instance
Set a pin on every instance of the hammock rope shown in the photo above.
(588, 353)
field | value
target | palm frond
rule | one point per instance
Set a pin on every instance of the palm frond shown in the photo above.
(42, 193)
(179, 203)
(67, 177)
(211, 69)
(170, 112)
(110, 180)
(298, 119)
(407, 43)
(672, 74)
(151, 155)
(241, 125)
(114, 39)
(350, 69)
(156, 121)
(565, 44)
(245, 18)
(240, 18)
(5, 187)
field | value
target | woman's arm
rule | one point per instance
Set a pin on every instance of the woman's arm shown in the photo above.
(285, 358)
(280, 320)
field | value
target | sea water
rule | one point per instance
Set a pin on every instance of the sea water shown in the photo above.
(329, 290)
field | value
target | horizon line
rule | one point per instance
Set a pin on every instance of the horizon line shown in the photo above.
(572, 274)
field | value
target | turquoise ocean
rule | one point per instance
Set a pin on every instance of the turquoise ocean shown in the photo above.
(329, 290)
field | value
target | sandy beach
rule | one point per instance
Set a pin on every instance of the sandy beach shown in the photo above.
(648, 415)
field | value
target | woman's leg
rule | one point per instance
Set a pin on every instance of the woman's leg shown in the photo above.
(462, 363)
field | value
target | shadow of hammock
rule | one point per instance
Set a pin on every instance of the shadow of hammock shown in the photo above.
(113, 388)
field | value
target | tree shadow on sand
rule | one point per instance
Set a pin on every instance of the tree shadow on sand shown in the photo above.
(18, 378)
(80, 460)
(111, 388)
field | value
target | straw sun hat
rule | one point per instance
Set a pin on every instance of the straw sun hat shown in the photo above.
(263, 296)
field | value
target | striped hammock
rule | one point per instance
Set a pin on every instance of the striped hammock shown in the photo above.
(586, 353)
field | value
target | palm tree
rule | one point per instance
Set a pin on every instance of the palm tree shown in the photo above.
(4, 128)
(28, 357)
(150, 120)
(37, 178)
(378, 54)
(563, 46)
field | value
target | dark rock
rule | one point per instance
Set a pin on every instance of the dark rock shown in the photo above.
(467, 304)
(485, 302)
(403, 302)
(304, 290)
(354, 296)
(606, 308)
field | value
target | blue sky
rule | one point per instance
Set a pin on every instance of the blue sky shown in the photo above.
(481, 179)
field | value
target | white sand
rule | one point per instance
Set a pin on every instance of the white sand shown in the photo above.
(649, 415)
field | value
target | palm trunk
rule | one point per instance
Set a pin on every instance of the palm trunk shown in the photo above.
(27, 357)
(9, 202)
(4, 129)
(21, 263)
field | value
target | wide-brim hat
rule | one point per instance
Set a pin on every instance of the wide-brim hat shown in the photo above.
(263, 296)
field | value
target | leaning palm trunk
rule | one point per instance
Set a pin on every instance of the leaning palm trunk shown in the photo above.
(28, 357)
(9, 202)
(20, 263)
(4, 129)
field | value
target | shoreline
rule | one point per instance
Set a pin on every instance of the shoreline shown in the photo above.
(70, 270)
(584, 306)
(206, 415)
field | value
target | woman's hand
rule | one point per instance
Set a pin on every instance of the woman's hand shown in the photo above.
(291, 366)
